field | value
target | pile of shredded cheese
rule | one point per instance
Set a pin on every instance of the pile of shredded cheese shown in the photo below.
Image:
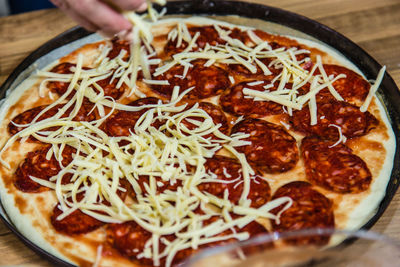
(171, 153)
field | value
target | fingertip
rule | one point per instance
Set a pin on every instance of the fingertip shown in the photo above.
(123, 26)
(129, 37)
(126, 35)
(142, 7)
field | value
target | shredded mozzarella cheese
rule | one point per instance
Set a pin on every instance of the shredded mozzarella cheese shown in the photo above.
(342, 138)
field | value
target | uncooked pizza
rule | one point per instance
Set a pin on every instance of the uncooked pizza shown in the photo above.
(197, 134)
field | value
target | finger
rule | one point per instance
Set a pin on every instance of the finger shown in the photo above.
(142, 7)
(107, 20)
(139, 5)
(63, 5)
(125, 35)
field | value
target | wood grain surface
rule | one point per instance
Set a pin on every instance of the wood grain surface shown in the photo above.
(372, 24)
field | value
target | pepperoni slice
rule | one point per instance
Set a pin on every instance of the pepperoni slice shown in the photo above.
(161, 185)
(233, 101)
(353, 87)
(78, 222)
(348, 117)
(207, 81)
(335, 168)
(110, 88)
(28, 115)
(242, 36)
(123, 121)
(36, 165)
(208, 34)
(275, 41)
(310, 209)
(117, 46)
(275, 69)
(229, 173)
(239, 69)
(75, 223)
(255, 229)
(278, 41)
(217, 115)
(122, 237)
(129, 239)
(123, 194)
(61, 87)
(272, 148)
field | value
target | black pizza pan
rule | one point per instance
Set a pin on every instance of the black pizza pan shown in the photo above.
(370, 67)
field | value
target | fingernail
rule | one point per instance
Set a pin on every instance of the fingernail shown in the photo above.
(121, 34)
(142, 7)
(125, 35)
(129, 36)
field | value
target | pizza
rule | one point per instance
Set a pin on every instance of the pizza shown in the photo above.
(197, 134)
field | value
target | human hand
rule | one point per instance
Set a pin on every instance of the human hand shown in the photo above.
(102, 16)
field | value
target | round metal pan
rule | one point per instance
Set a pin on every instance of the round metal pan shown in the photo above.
(388, 92)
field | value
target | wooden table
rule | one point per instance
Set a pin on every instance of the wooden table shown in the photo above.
(374, 25)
